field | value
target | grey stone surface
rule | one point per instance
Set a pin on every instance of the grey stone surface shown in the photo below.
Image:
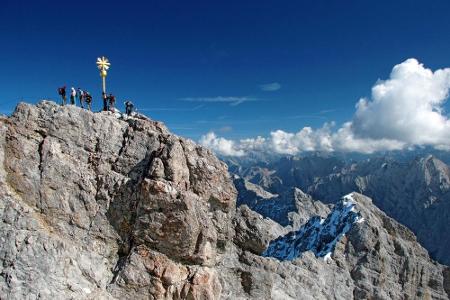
(414, 191)
(416, 194)
(80, 191)
(291, 207)
(253, 232)
(377, 259)
(93, 206)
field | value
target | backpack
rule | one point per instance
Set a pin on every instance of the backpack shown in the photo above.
(60, 91)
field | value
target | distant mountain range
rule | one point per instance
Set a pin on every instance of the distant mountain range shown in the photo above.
(411, 187)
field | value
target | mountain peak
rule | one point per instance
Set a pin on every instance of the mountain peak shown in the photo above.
(319, 235)
(100, 206)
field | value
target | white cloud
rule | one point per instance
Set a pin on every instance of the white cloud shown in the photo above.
(344, 140)
(404, 111)
(233, 101)
(270, 87)
(220, 145)
(407, 107)
(254, 144)
(227, 147)
(306, 139)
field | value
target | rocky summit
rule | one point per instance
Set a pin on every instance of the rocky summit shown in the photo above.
(101, 206)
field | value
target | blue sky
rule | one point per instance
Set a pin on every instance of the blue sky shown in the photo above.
(238, 68)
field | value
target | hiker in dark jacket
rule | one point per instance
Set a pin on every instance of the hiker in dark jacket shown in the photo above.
(80, 94)
(88, 99)
(112, 102)
(105, 101)
(62, 93)
(129, 107)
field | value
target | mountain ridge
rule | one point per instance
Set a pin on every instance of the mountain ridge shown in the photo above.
(96, 206)
(415, 193)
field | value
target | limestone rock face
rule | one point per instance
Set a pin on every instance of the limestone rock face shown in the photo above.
(83, 193)
(377, 258)
(318, 235)
(96, 206)
(414, 190)
(291, 207)
(148, 274)
(416, 194)
(253, 232)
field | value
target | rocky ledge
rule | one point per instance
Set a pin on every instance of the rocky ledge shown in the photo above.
(96, 206)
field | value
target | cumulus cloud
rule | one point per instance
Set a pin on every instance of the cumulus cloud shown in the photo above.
(220, 145)
(344, 140)
(403, 111)
(227, 147)
(306, 139)
(407, 107)
(253, 144)
(270, 87)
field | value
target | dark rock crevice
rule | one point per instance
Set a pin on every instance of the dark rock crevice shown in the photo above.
(446, 280)
(41, 167)
(246, 281)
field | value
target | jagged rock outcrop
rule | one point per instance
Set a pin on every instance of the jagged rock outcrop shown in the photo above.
(83, 194)
(318, 235)
(415, 192)
(277, 173)
(253, 232)
(376, 258)
(292, 207)
(95, 206)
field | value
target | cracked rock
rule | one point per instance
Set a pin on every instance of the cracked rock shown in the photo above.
(93, 206)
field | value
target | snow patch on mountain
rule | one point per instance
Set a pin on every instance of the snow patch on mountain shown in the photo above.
(317, 235)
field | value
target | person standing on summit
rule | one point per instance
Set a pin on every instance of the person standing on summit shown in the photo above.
(128, 107)
(112, 102)
(105, 101)
(80, 94)
(62, 93)
(88, 99)
(73, 94)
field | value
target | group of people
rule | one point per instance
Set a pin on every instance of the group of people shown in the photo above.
(109, 101)
(84, 97)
